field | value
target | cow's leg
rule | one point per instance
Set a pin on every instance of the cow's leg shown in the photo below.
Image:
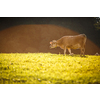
(82, 51)
(70, 51)
(64, 50)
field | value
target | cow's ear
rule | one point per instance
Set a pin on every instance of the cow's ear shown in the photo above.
(50, 42)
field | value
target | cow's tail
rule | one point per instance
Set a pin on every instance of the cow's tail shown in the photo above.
(85, 38)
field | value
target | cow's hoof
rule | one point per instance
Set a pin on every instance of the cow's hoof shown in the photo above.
(71, 54)
(82, 56)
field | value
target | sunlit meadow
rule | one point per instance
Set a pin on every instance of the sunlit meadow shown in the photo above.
(47, 68)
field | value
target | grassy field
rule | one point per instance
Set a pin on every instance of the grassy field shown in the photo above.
(47, 68)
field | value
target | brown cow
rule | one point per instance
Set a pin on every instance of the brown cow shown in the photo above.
(70, 42)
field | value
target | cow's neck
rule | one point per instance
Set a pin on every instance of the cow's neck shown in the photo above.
(59, 43)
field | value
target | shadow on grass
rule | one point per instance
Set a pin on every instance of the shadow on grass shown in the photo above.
(40, 81)
(9, 81)
(75, 55)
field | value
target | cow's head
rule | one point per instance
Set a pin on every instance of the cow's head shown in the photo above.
(53, 44)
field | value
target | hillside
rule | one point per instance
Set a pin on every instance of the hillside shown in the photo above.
(36, 38)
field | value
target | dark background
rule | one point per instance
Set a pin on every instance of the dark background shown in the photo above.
(79, 24)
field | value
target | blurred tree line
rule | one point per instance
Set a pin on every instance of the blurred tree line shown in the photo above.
(97, 23)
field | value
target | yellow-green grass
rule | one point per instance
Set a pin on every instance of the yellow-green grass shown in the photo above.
(47, 68)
